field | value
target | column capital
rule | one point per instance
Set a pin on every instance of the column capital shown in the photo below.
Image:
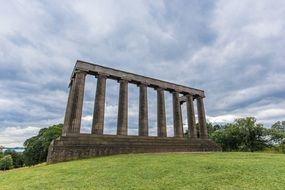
(189, 95)
(101, 75)
(80, 71)
(121, 80)
(142, 84)
(159, 88)
(174, 91)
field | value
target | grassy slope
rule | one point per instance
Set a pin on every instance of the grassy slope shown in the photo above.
(155, 171)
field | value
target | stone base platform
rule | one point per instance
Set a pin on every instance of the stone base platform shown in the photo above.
(85, 145)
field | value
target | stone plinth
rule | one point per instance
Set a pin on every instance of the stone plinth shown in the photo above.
(73, 145)
(84, 146)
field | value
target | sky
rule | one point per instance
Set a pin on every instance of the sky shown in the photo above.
(232, 49)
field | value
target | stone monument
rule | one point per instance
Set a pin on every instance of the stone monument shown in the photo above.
(74, 145)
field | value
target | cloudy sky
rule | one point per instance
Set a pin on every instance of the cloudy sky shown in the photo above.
(232, 49)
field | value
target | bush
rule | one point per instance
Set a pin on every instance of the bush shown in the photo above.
(281, 148)
(36, 148)
(242, 135)
(17, 157)
(1, 154)
(6, 162)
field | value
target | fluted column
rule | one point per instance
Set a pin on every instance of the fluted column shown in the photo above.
(177, 123)
(143, 111)
(122, 124)
(99, 106)
(161, 116)
(192, 132)
(73, 112)
(202, 118)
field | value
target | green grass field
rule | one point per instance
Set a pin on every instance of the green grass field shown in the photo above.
(155, 171)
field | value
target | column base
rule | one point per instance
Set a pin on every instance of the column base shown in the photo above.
(72, 147)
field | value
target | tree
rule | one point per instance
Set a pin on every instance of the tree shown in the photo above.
(213, 127)
(6, 162)
(279, 126)
(17, 157)
(210, 126)
(277, 136)
(36, 148)
(244, 134)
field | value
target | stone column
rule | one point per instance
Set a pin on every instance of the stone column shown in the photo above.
(161, 116)
(181, 117)
(122, 124)
(177, 123)
(73, 112)
(99, 106)
(192, 132)
(143, 111)
(68, 108)
(202, 118)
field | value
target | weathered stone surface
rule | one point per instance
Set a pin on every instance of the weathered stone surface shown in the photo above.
(84, 146)
(73, 115)
(73, 145)
(191, 117)
(122, 125)
(161, 116)
(202, 118)
(177, 117)
(143, 111)
(136, 79)
(99, 106)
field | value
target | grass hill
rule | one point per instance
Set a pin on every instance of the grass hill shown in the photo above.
(155, 171)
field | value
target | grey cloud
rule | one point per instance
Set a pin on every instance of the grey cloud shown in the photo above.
(231, 49)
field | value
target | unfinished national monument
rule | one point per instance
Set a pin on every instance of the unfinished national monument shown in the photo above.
(74, 145)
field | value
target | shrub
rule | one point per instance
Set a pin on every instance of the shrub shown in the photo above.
(17, 157)
(36, 148)
(6, 162)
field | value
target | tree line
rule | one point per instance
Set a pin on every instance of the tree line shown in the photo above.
(244, 134)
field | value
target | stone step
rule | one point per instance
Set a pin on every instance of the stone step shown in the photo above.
(74, 147)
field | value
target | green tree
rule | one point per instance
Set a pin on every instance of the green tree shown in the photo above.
(279, 126)
(244, 134)
(277, 136)
(36, 148)
(6, 162)
(211, 128)
(17, 157)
